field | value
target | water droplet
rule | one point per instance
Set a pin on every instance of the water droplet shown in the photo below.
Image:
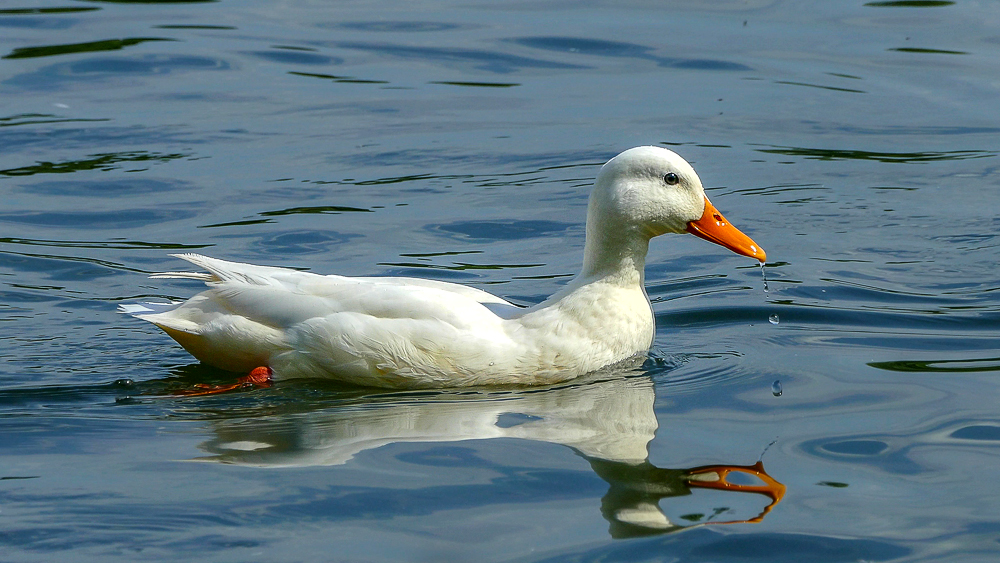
(776, 388)
(773, 319)
(763, 274)
(124, 382)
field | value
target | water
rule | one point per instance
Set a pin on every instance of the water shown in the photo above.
(857, 143)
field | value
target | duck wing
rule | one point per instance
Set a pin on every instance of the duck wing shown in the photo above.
(309, 323)
(280, 297)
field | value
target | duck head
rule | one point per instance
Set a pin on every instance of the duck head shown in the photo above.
(649, 191)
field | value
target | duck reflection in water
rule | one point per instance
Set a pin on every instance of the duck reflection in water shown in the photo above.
(609, 422)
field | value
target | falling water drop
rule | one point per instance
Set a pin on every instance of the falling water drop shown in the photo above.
(763, 274)
(773, 319)
(776, 388)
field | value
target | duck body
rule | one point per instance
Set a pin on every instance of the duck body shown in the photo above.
(401, 332)
(416, 333)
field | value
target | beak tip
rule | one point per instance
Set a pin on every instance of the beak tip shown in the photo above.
(714, 228)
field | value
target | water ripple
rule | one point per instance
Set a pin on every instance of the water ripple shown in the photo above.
(102, 69)
(510, 229)
(620, 49)
(489, 61)
(117, 219)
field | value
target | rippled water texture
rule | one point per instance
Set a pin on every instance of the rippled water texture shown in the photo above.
(857, 142)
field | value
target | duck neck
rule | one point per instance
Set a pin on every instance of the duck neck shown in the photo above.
(616, 256)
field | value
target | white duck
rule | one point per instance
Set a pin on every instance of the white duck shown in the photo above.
(416, 333)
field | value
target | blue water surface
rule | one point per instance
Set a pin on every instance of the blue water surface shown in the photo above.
(857, 142)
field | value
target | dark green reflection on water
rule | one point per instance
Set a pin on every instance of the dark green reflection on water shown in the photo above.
(103, 161)
(458, 266)
(40, 118)
(928, 51)
(32, 11)
(339, 79)
(433, 254)
(479, 84)
(118, 244)
(947, 366)
(321, 210)
(71, 48)
(236, 223)
(153, 1)
(312, 210)
(184, 26)
(834, 88)
(887, 157)
(388, 180)
(910, 4)
(75, 259)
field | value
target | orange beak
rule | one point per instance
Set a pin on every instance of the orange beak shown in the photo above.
(714, 227)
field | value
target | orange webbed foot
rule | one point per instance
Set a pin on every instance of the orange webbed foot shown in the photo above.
(258, 377)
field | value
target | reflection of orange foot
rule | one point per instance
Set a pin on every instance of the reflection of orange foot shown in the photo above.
(714, 477)
(258, 377)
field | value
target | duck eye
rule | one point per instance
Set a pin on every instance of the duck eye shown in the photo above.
(671, 178)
